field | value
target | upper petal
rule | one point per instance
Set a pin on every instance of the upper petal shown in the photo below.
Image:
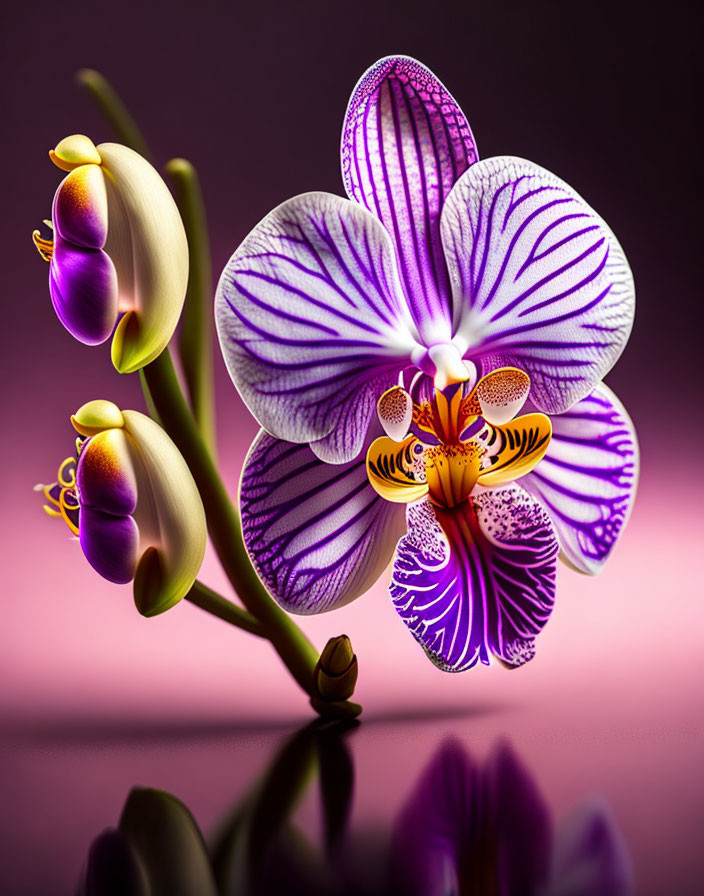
(317, 534)
(310, 315)
(477, 578)
(540, 282)
(587, 479)
(405, 142)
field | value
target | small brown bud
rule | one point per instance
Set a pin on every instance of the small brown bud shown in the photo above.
(336, 671)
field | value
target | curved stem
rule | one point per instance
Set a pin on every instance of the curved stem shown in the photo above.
(290, 643)
(212, 602)
(113, 109)
(195, 342)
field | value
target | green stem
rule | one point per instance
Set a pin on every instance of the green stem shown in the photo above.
(196, 333)
(217, 605)
(113, 109)
(288, 640)
(151, 409)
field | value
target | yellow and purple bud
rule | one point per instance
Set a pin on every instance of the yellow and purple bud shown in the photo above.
(119, 254)
(133, 504)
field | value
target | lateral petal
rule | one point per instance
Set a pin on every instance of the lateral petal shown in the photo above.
(312, 323)
(539, 281)
(588, 477)
(317, 534)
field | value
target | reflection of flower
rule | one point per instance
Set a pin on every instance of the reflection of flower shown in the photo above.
(132, 502)
(478, 285)
(119, 247)
(465, 829)
(469, 828)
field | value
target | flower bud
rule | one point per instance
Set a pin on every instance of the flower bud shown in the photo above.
(336, 671)
(119, 254)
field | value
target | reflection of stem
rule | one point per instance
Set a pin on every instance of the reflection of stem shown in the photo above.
(291, 644)
(114, 109)
(264, 818)
(196, 336)
(215, 603)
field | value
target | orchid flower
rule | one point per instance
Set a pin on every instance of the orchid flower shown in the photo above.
(131, 501)
(119, 251)
(479, 285)
(485, 828)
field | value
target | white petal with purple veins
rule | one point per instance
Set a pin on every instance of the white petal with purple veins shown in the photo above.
(405, 142)
(587, 479)
(540, 282)
(318, 534)
(310, 315)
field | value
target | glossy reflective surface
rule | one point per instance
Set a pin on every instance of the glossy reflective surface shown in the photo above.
(493, 800)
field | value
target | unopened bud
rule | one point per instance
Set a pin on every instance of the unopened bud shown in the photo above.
(336, 671)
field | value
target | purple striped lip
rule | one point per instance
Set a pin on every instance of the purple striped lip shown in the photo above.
(478, 579)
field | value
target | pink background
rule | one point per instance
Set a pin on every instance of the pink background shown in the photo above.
(255, 98)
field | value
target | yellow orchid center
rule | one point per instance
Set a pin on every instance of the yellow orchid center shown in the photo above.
(475, 440)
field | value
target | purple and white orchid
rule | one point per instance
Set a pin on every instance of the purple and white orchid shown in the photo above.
(444, 293)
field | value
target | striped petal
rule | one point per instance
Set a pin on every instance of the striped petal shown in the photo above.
(317, 534)
(588, 477)
(514, 449)
(405, 142)
(477, 579)
(312, 323)
(540, 282)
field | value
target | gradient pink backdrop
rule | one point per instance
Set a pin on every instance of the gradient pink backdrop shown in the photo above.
(255, 99)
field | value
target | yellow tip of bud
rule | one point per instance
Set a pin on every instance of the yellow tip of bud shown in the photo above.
(96, 416)
(73, 151)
